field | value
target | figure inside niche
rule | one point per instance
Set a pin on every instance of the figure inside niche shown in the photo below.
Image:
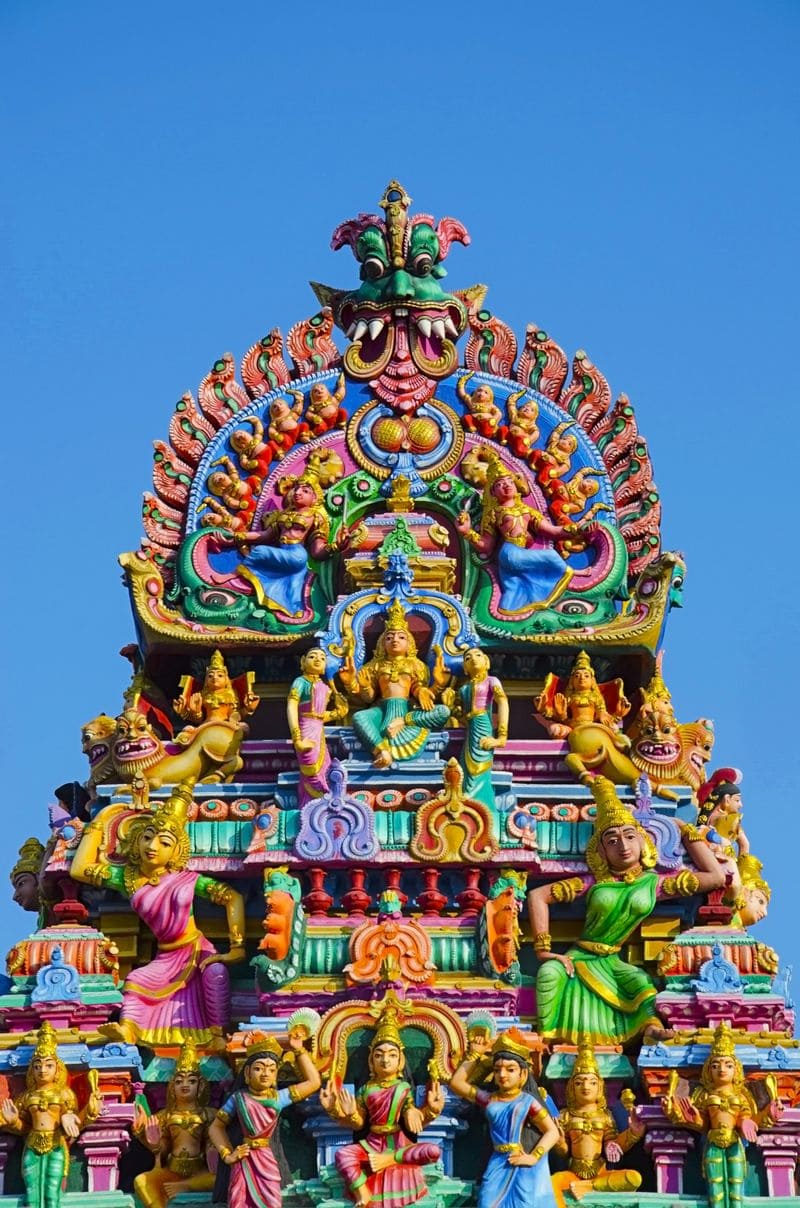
(216, 700)
(521, 1129)
(46, 1114)
(531, 576)
(184, 992)
(384, 1166)
(478, 701)
(723, 1109)
(324, 410)
(312, 702)
(590, 988)
(482, 415)
(177, 1136)
(256, 1105)
(590, 1138)
(562, 706)
(396, 727)
(275, 557)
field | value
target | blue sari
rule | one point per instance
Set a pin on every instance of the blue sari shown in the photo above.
(504, 1185)
(529, 576)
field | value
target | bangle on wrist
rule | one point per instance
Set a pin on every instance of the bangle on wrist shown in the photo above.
(538, 1152)
(542, 941)
(225, 1152)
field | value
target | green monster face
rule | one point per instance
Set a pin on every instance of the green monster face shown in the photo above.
(401, 322)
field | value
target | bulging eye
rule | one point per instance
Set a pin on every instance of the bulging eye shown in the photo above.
(422, 264)
(574, 608)
(373, 268)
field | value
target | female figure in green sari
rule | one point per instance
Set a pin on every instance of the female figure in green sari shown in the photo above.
(590, 991)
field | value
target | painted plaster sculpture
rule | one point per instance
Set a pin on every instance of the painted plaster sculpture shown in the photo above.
(397, 727)
(255, 1180)
(177, 1136)
(24, 876)
(384, 1167)
(723, 1109)
(183, 993)
(478, 699)
(47, 1115)
(589, 1135)
(307, 711)
(590, 991)
(563, 707)
(518, 1172)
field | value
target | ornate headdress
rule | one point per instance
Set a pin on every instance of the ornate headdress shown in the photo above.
(585, 1063)
(170, 816)
(582, 662)
(47, 1047)
(656, 689)
(323, 467)
(512, 1044)
(722, 1045)
(612, 812)
(30, 859)
(750, 868)
(483, 1020)
(266, 1046)
(387, 1030)
(396, 620)
(723, 782)
(305, 1017)
(188, 1062)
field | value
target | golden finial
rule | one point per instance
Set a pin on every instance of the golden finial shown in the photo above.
(188, 1062)
(46, 1043)
(396, 617)
(30, 859)
(395, 203)
(387, 1030)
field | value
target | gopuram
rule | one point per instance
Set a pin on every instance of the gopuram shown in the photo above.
(395, 877)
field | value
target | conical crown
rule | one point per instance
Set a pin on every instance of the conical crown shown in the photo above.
(387, 1030)
(723, 1044)
(46, 1044)
(610, 810)
(217, 662)
(582, 662)
(172, 814)
(188, 1062)
(585, 1060)
(396, 617)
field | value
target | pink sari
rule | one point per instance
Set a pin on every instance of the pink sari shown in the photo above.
(256, 1181)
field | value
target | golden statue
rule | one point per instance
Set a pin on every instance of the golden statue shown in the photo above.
(580, 701)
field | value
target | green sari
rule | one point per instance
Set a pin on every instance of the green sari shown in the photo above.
(606, 1000)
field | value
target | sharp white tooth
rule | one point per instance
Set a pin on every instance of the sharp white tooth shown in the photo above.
(361, 327)
(424, 326)
(451, 328)
(350, 331)
(438, 328)
(375, 328)
(401, 312)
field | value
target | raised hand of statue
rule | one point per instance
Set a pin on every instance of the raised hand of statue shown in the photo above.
(70, 1125)
(463, 523)
(434, 1099)
(328, 1097)
(562, 960)
(613, 1151)
(10, 1113)
(346, 1102)
(748, 1128)
(343, 537)
(635, 1123)
(95, 1106)
(439, 673)
(152, 1132)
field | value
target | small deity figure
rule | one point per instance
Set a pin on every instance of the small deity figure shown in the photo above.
(324, 409)
(237, 493)
(285, 426)
(476, 700)
(307, 712)
(723, 1109)
(384, 1166)
(589, 1135)
(255, 1177)
(590, 989)
(393, 729)
(719, 821)
(217, 700)
(521, 1129)
(523, 428)
(183, 994)
(555, 460)
(562, 707)
(177, 1136)
(531, 577)
(482, 413)
(47, 1115)
(255, 454)
(24, 875)
(276, 555)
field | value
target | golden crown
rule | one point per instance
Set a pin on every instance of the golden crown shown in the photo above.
(171, 815)
(723, 1044)
(387, 1030)
(188, 1062)
(750, 868)
(30, 859)
(46, 1043)
(582, 662)
(217, 662)
(266, 1046)
(610, 810)
(585, 1060)
(396, 617)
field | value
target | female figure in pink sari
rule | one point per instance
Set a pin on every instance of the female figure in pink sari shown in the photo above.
(183, 994)
(306, 712)
(255, 1180)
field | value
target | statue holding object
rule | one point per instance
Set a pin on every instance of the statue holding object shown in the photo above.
(394, 728)
(183, 994)
(255, 1180)
(384, 1167)
(47, 1115)
(590, 992)
(177, 1136)
(589, 1135)
(518, 1173)
(562, 707)
(723, 1109)
(307, 712)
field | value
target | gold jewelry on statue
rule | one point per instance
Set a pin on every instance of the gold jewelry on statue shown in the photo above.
(685, 885)
(538, 1152)
(566, 891)
(543, 941)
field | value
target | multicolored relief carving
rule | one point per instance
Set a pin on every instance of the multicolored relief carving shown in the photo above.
(365, 553)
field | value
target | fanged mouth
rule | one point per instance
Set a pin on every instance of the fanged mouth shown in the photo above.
(128, 751)
(420, 336)
(658, 752)
(699, 759)
(97, 754)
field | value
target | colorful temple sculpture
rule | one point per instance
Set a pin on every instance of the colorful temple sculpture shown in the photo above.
(394, 878)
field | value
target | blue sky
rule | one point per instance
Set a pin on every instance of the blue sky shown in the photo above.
(628, 174)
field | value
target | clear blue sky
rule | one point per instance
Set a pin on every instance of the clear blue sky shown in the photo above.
(629, 176)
